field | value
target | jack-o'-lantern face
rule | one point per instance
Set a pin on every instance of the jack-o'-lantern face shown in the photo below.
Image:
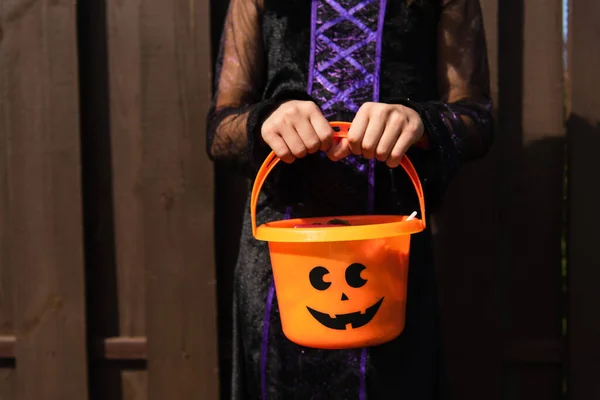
(344, 294)
(319, 279)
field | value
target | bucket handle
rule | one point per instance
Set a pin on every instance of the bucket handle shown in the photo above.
(341, 132)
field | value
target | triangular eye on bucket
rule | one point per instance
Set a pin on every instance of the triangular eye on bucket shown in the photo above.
(342, 306)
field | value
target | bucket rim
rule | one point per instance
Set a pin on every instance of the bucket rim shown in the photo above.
(380, 227)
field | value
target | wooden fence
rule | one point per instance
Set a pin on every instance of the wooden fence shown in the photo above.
(108, 285)
(107, 274)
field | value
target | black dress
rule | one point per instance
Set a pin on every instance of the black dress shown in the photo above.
(429, 55)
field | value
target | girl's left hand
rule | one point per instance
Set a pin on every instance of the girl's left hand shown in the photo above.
(382, 131)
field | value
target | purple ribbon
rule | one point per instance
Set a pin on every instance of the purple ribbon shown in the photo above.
(264, 351)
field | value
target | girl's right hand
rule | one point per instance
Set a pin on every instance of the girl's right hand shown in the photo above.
(295, 129)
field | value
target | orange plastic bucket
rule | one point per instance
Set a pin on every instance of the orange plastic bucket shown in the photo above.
(344, 285)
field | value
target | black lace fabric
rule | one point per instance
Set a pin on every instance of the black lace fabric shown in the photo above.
(240, 76)
(429, 55)
(458, 121)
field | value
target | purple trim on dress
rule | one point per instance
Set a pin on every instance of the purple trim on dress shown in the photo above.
(264, 351)
(265, 340)
(342, 67)
(342, 96)
(346, 53)
(380, 26)
(347, 15)
(326, 84)
(313, 39)
(363, 375)
(371, 194)
(376, 90)
(336, 21)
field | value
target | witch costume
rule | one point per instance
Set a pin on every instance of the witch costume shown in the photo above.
(429, 55)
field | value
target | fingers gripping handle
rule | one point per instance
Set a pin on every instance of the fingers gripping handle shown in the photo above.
(341, 129)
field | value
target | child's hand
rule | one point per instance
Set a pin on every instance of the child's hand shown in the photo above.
(295, 129)
(382, 131)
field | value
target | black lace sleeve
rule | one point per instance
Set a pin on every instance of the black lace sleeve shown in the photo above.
(236, 112)
(459, 126)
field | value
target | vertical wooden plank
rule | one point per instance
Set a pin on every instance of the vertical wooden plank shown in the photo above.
(7, 372)
(39, 76)
(125, 63)
(127, 145)
(499, 236)
(177, 198)
(6, 310)
(538, 178)
(466, 230)
(533, 191)
(584, 197)
(110, 64)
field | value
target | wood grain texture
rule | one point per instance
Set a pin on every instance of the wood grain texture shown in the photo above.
(533, 205)
(177, 206)
(40, 116)
(125, 82)
(6, 287)
(111, 64)
(499, 234)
